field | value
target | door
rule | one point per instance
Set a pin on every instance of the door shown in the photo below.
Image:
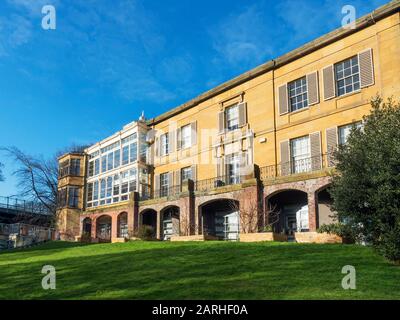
(231, 226)
(302, 219)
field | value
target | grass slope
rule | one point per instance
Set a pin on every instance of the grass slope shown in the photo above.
(209, 270)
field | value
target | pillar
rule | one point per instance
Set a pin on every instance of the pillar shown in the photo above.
(159, 221)
(114, 226)
(312, 211)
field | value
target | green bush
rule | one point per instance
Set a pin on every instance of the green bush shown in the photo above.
(349, 233)
(146, 232)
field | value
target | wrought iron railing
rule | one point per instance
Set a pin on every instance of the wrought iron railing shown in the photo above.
(165, 192)
(298, 166)
(217, 182)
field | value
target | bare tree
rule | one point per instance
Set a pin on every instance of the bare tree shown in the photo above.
(252, 216)
(187, 225)
(38, 177)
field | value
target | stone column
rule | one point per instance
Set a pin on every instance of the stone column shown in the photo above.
(159, 221)
(114, 226)
(133, 215)
(312, 211)
(94, 229)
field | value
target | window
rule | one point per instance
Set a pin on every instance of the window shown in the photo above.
(300, 151)
(344, 131)
(75, 168)
(102, 188)
(164, 144)
(116, 185)
(64, 167)
(124, 182)
(109, 187)
(132, 180)
(164, 184)
(90, 192)
(62, 197)
(232, 117)
(110, 161)
(73, 197)
(96, 190)
(186, 136)
(298, 97)
(143, 147)
(186, 174)
(133, 152)
(96, 166)
(103, 164)
(347, 76)
(91, 169)
(125, 155)
(233, 168)
(117, 158)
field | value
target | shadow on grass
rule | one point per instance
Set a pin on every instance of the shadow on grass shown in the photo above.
(204, 271)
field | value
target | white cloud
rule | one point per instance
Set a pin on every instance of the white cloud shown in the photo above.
(242, 38)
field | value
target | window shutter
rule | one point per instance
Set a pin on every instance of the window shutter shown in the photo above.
(170, 179)
(177, 178)
(178, 139)
(329, 82)
(285, 158)
(366, 68)
(221, 122)
(194, 173)
(331, 144)
(242, 114)
(193, 133)
(283, 99)
(172, 141)
(315, 143)
(156, 182)
(312, 88)
(157, 146)
(220, 168)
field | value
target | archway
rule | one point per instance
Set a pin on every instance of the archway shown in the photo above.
(170, 222)
(86, 227)
(324, 207)
(149, 223)
(287, 211)
(123, 225)
(220, 219)
(103, 227)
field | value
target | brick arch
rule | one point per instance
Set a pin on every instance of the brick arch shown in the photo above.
(274, 193)
(215, 198)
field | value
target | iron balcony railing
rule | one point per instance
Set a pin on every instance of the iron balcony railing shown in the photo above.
(217, 182)
(298, 166)
(165, 192)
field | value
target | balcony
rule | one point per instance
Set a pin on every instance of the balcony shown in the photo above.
(217, 182)
(301, 166)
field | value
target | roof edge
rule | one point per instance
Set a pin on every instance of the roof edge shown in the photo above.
(335, 35)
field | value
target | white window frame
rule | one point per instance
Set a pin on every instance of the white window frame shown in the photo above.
(339, 70)
(297, 90)
(186, 136)
(232, 117)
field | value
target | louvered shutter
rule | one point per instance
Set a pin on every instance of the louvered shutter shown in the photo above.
(242, 114)
(285, 158)
(221, 122)
(331, 145)
(329, 82)
(312, 88)
(194, 173)
(157, 183)
(178, 139)
(283, 99)
(315, 144)
(157, 146)
(366, 68)
(193, 133)
(178, 180)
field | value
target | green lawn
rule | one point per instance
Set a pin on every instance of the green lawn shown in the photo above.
(210, 270)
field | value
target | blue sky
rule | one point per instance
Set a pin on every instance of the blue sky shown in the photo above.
(109, 60)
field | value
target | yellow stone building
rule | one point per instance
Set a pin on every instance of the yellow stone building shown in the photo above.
(250, 155)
